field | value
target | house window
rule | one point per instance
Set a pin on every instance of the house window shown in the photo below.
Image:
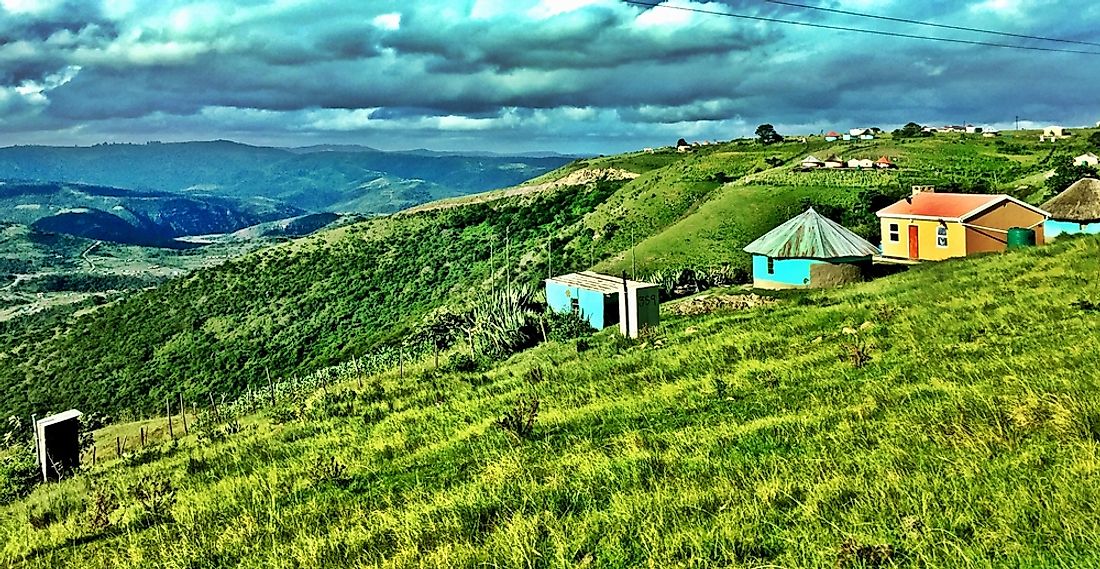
(575, 305)
(895, 233)
(941, 236)
(771, 266)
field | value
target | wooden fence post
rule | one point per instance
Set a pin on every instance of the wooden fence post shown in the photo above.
(183, 412)
(118, 447)
(93, 455)
(143, 437)
(270, 387)
(168, 410)
(214, 407)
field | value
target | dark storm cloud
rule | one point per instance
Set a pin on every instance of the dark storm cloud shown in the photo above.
(569, 74)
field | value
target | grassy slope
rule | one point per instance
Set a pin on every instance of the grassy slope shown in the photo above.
(289, 310)
(714, 229)
(971, 438)
(334, 299)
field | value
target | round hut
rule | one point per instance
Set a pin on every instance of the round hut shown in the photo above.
(1074, 211)
(809, 251)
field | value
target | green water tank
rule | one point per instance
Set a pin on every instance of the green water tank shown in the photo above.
(1020, 237)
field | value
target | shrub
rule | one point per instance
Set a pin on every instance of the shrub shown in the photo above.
(462, 363)
(564, 326)
(520, 419)
(19, 474)
(104, 501)
(155, 495)
(330, 470)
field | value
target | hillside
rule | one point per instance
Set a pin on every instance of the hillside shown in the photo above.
(893, 423)
(347, 292)
(325, 179)
(286, 310)
(130, 217)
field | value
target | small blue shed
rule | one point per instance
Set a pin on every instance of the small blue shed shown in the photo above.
(809, 251)
(605, 301)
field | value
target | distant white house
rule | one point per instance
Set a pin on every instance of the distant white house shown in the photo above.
(862, 133)
(1053, 133)
(811, 162)
(834, 161)
(832, 136)
(971, 129)
(1087, 159)
(991, 133)
(861, 163)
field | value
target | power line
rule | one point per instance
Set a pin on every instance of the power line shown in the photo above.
(857, 30)
(929, 24)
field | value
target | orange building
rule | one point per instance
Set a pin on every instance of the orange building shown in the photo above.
(929, 226)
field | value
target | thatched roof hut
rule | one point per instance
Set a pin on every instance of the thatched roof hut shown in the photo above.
(1079, 203)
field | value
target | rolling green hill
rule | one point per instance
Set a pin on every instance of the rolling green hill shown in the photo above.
(130, 217)
(344, 179)
(897, 423)
(344, 293)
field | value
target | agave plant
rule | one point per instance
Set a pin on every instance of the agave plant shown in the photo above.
(506, 322)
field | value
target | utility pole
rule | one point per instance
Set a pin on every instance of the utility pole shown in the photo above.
(633, 257)
(492, 265)
(549, 270)
(1017, 122)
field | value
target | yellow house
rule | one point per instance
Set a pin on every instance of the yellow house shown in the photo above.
(930, 226)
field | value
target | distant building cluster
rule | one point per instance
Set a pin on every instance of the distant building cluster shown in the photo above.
(833, 162)
(852, 134)
(962, 129)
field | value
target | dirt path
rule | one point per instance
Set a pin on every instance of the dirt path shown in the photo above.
(84, 255)
(578, 178)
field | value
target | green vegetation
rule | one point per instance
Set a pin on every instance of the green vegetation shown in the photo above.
(894, 423)
(287, 311)
(766, 134)
(911, 130)
(351, 291)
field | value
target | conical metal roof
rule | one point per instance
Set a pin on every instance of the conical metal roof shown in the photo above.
(811, 235)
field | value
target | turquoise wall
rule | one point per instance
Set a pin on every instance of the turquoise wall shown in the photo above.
(1053, 228)
(593, 305)
(788, 272)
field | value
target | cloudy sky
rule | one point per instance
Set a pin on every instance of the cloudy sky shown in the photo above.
(587, 76)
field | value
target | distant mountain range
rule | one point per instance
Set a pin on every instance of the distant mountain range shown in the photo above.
(132, 217)
(326, 178)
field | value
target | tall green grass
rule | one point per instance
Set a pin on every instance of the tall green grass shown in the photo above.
(945, 417)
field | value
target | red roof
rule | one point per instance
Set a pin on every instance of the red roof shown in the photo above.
(941, 206)
(884, 160)
(832, 133)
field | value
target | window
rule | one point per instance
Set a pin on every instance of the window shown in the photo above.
(941, 236)
(771, 266)
(575, 305)
(895, 233)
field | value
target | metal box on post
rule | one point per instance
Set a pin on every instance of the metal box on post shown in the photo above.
(57, 439)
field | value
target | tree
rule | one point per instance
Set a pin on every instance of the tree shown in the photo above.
(1094, 139)
(910, 130)
(1065, 174)
(766, 134)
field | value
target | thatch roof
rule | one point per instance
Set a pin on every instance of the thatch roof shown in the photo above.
(1080, 202)
(811, 235)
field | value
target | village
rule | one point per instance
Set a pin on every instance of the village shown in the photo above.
(813, 251)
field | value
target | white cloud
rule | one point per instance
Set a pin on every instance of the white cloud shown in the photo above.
(388, 22)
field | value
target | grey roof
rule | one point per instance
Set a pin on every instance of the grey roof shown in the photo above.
(598, 282)
(58, 418)
(811, 235)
